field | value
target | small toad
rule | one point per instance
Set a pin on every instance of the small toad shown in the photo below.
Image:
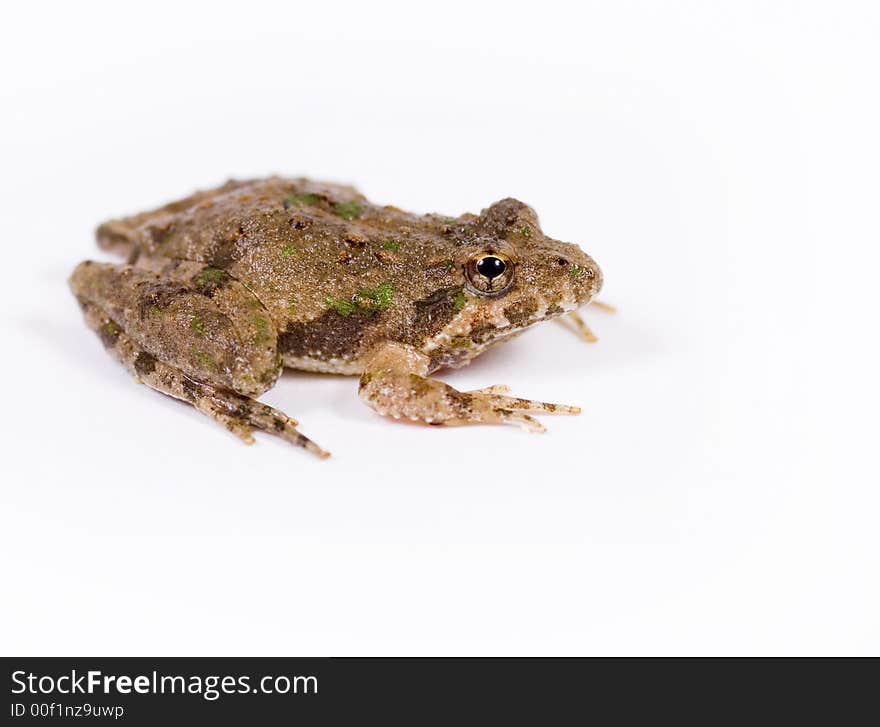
(223, 289)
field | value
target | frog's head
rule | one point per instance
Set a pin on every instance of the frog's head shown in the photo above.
(513, 277)
(511, 261)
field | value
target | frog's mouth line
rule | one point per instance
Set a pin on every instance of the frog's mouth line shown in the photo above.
(546, 312)
(502, 329)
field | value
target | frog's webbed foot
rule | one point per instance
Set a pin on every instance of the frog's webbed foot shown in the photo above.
(574, 322)
(395, 384)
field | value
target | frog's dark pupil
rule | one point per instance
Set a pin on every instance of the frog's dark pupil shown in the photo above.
(490, 266)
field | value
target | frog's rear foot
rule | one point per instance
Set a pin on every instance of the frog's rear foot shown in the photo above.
(240, 414)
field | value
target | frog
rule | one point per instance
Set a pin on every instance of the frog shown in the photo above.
(222, 290)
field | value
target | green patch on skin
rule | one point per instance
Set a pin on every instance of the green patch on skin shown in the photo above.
(576, 271)
(209, 279)
(366, 378)
(392, 245)
(460, 300)
(449, 221)
(291, 305)
(419, 384)
(525, 232)
(341, 306)
(262, 327)
(205, 360)
(449, 265)
(348, 210)
(460, 342)
(198, 325)
(306, 199)
(366, 300)
(288, 251)
(379, 298)
(155, 310)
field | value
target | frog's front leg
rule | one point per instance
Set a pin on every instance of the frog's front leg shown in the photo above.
(576, 323)
(395, 383)
(198, 336)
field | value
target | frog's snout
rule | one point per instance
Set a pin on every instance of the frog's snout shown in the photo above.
(582, 275)
(594, 279)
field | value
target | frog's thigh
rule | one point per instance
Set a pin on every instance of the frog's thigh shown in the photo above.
(208, 326)
(395, 383)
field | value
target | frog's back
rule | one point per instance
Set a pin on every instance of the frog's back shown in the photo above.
(305, 250)
(215, 226)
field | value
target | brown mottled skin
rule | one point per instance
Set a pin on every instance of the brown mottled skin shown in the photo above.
(224, 288)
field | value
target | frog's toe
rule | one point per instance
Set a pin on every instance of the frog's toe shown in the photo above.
(523, 421)
(578, 325)
(273, 421)
(534, 407)
(574, 322)
(290, 434)
(242, 415)
(496, 389)
(495, 397)
(243, 432)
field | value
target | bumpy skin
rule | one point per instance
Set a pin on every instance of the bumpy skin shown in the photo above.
(225, 287)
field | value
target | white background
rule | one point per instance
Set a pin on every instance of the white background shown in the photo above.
(719, 493)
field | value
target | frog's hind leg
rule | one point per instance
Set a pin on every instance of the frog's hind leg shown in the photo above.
(240, 414)
(197, 335)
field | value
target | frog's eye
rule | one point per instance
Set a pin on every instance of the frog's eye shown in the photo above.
(489, 273)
